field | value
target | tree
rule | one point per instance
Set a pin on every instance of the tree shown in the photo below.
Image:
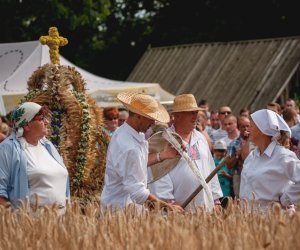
(79, 21)
(108, 37)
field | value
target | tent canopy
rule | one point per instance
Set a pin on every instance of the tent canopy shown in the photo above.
(19, 60)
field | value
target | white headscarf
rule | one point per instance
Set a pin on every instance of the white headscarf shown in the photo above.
(269, 122)
(24, 114)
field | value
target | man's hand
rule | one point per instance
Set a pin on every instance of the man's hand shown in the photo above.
(169, 153)
(231, 161)
(174, 207)
(246, 135)
(153, 202)
(218, 208)
(225, 174)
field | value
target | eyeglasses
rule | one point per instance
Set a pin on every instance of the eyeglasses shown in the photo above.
(40, 118)
(225, 113)
(113, 118)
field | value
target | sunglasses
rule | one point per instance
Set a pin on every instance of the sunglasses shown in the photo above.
(225, 113)
(113, 118)
(40, 118)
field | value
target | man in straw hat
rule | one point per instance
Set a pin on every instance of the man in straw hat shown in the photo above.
(181, 181)
(127, 156)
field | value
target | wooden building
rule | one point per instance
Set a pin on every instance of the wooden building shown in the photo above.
(239, 74)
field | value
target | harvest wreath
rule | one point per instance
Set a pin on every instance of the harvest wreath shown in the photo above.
(76, 124)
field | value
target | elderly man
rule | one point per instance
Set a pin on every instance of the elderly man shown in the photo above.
(180, 182)
(127, 157)
(30, 166)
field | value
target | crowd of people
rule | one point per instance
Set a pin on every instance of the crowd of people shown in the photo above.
(261, 150)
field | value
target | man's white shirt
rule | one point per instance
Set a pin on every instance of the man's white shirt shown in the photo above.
(180, 182)
(126, 169)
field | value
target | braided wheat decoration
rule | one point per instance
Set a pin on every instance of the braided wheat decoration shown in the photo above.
(75, 127)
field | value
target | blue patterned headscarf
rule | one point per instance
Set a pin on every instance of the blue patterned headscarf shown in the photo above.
(24, 114)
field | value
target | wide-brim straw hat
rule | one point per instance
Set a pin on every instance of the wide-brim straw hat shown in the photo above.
(185, 103)
(144, 105)
(156, 144)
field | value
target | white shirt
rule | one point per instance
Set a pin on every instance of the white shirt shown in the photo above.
(217, 134)
(126, 169)
(181, 182)
(270, 176)
(46, 177)
(228, 140)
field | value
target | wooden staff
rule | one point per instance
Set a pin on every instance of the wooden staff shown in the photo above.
(207, 180)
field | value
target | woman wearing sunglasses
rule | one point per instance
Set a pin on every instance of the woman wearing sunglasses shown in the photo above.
(31, 169)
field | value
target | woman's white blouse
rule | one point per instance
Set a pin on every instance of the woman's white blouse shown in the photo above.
(46, 177)
(271, 176)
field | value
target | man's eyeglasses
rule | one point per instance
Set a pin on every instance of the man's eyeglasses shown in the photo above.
(225, 113)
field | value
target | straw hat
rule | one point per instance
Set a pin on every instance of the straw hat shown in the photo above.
(185, 103)
(144, 105)
(156, 144)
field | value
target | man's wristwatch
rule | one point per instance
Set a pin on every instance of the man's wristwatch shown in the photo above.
(158, 157)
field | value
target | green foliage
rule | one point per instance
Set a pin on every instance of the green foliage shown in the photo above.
(107, 37)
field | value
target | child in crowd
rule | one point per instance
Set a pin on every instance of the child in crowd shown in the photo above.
(224, 174)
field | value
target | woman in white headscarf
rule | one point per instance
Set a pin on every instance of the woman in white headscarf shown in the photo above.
(271, 172)
(30, 165)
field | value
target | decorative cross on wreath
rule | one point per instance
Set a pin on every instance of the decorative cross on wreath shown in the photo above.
(54, 41)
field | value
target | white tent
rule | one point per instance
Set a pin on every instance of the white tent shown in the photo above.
(19, 60)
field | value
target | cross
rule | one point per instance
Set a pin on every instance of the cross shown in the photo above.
(54, 41)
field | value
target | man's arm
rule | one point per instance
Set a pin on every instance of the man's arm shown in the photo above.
(167, 153)
(232, 162)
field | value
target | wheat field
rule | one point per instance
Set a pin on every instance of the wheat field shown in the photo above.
(234, 228)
